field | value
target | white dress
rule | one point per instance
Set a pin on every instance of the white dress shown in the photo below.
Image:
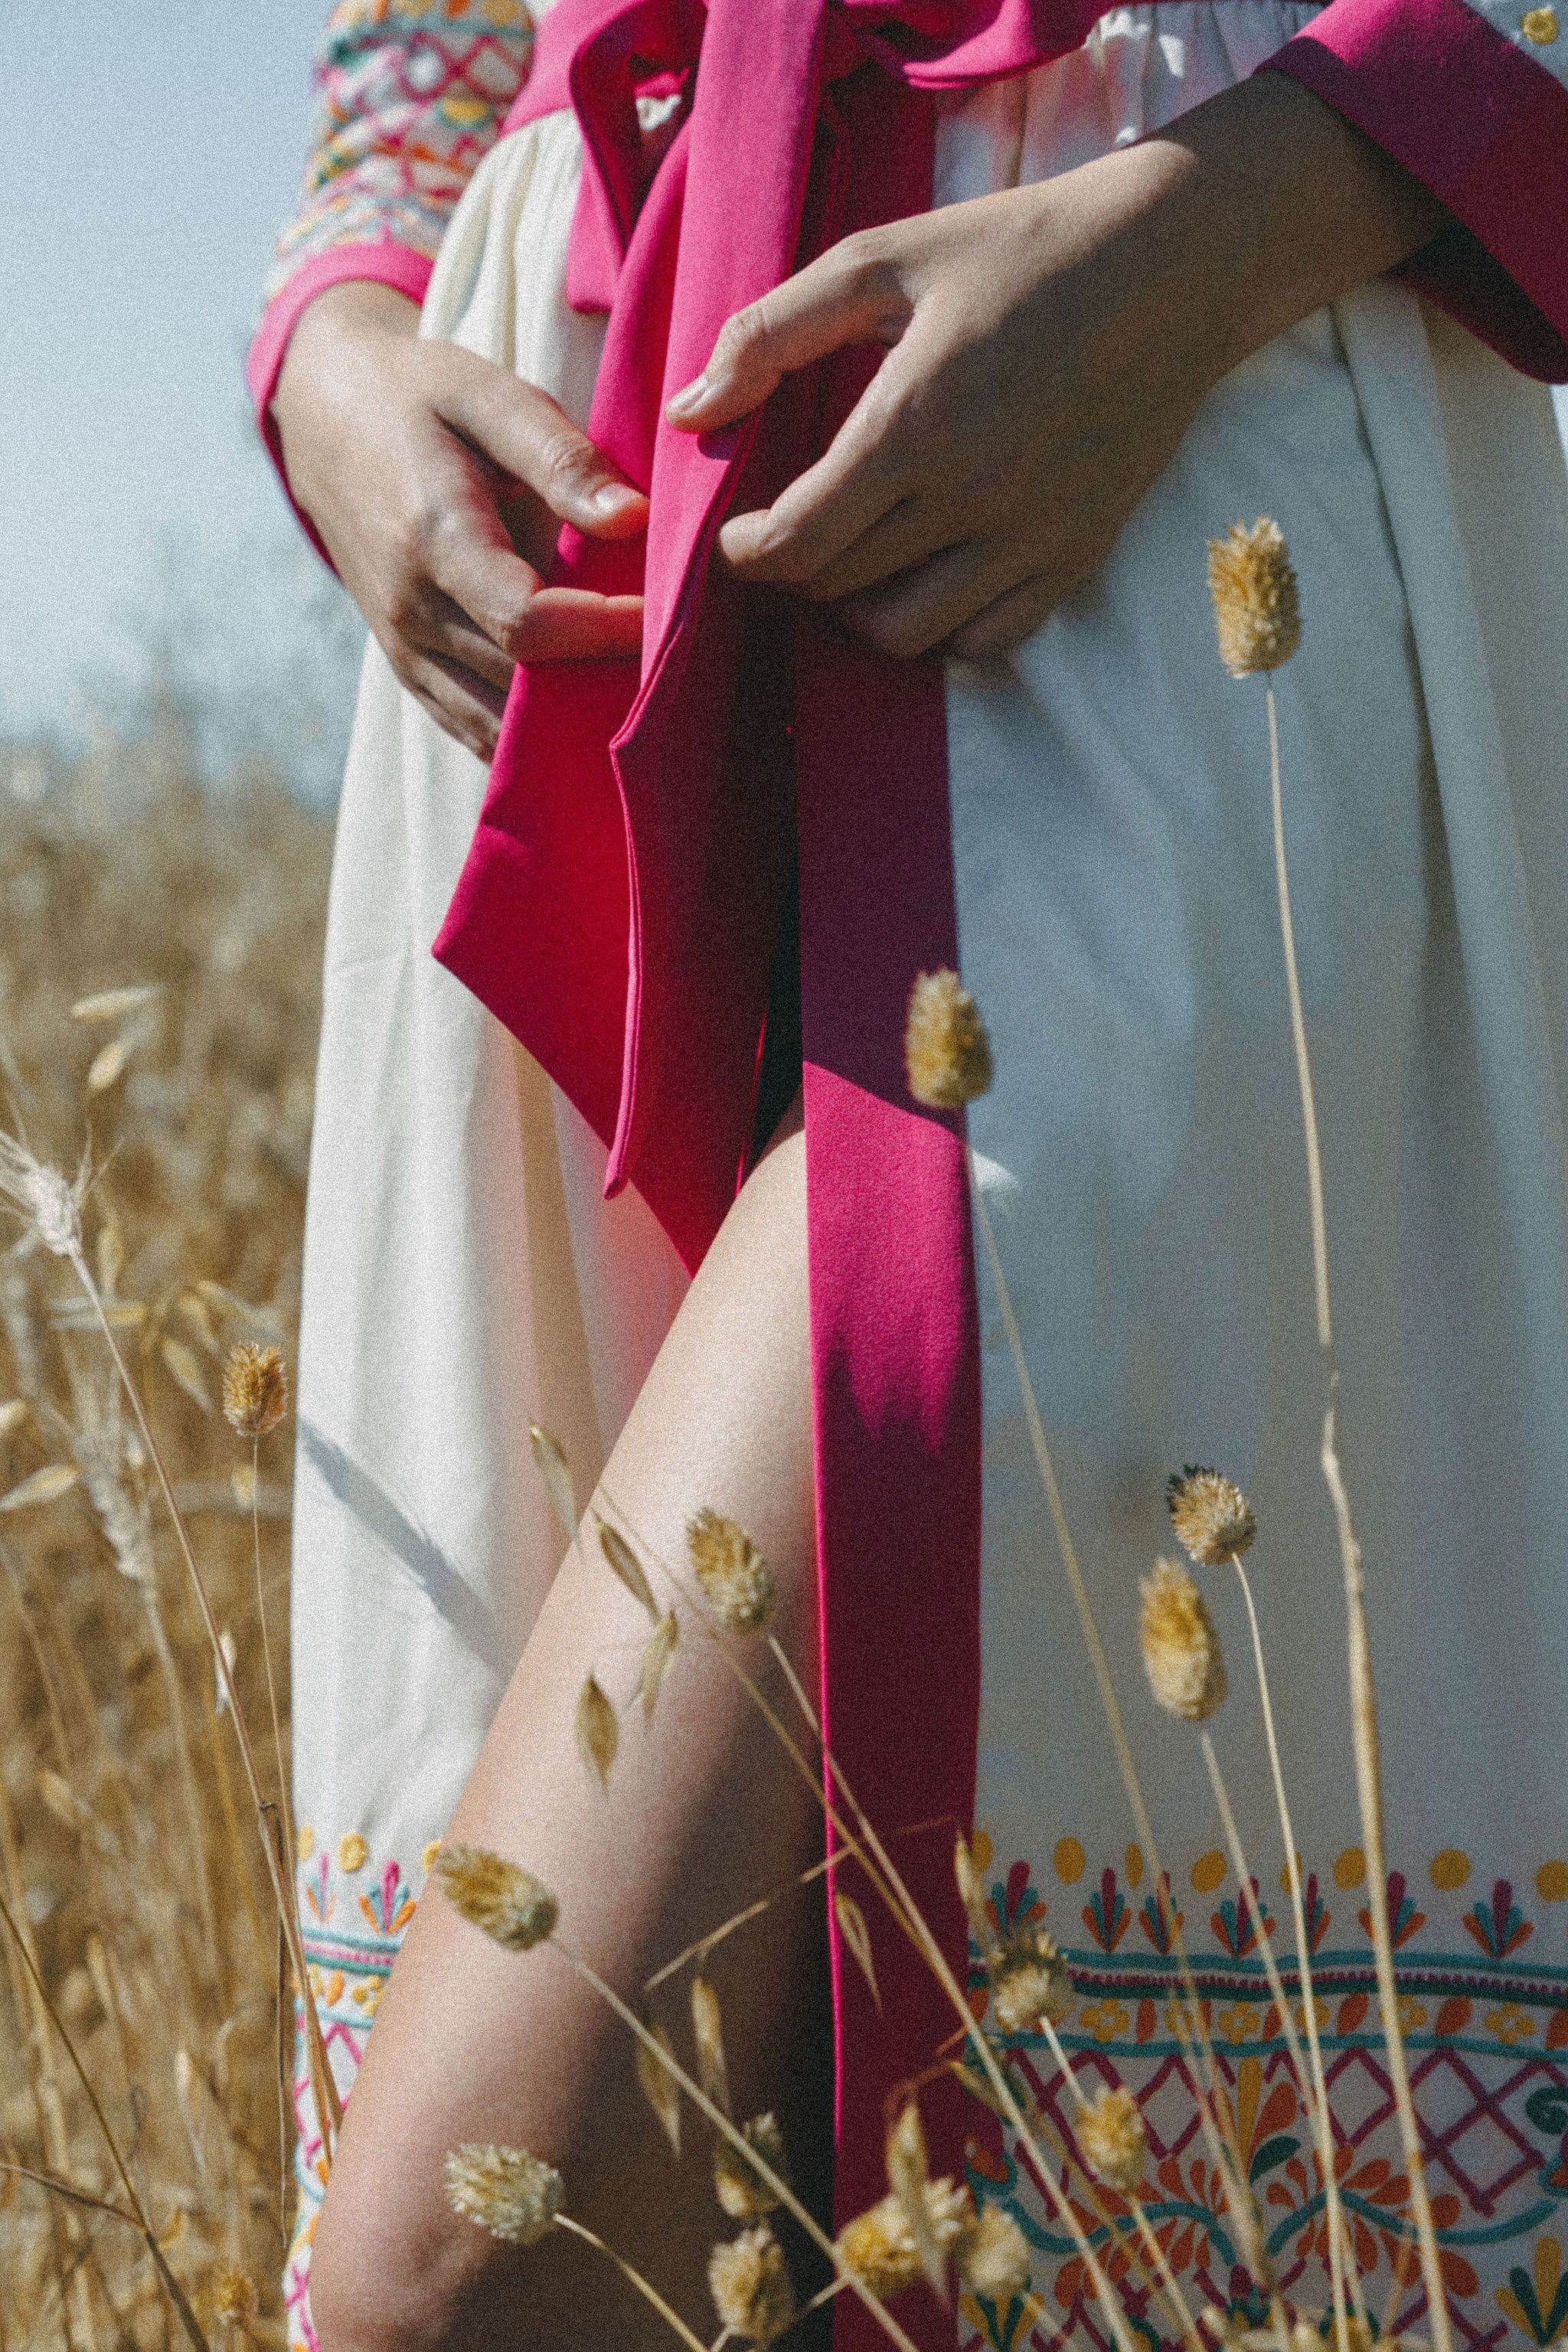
(1141, 1155)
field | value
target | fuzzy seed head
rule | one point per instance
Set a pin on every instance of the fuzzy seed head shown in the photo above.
(1110, 2133)
(879, 2246)
(739, 2188)
(1029, 1979)
(1257, 608)
(733, 1574)
(234, 2299)
(1211, 1516)
(1181, 1655)
(507, 1901)
(507, 2191)
(751, 2285)
(947, 1054)
(993, 2256)
(47, 1203)
(255, 1390)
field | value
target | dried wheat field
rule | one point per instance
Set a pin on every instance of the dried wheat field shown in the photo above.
(159, 950)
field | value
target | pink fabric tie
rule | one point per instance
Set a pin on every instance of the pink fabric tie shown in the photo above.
(619, 907)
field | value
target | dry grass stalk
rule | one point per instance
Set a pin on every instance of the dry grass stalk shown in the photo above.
(120, 872)
(1363, 1703)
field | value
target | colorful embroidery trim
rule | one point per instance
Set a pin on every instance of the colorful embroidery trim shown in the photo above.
(1484, 2012)
(410, 95)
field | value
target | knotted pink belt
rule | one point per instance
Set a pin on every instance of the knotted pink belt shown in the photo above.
(619, 907)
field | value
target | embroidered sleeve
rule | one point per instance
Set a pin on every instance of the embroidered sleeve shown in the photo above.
(1471, 96)
(409, 95)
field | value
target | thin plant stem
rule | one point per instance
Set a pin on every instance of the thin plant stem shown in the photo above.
(716, 1935)
(1322, 2115)
(1155, 2252)
(284, 1799)
(644, 2287)
(1323, 2131)
(753, 2156)
(1299, 1038)
(175, 2290)
(182, 1730)
(329, 2106)
(1369, 1793)
(1226, 2159)
(908, 1915)
(1364, 1701)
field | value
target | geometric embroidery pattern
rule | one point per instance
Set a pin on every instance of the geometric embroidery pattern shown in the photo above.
(410, 95)
(1485, 2024)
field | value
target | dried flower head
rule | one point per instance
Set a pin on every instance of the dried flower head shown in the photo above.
(1181, 1655)
(947, 1054)
(1257, 609)
(751, 2285)
(733, 1574)
(1211, 1516)
(49, 1205)
(993, 2256)
(507, 2191)
(879, 2246)
(1110, 2133)
(234, 2299)
(507, 1901)
(658, 2084)
(1029, 1979)
(738, 2186)
(255, 1388)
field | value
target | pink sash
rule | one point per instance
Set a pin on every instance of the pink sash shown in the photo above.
(618, 908)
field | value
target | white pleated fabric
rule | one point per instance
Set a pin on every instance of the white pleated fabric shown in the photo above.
(1141, 1155)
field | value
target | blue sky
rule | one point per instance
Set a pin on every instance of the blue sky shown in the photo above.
(151, 152)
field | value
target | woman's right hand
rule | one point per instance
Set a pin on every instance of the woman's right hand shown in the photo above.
(439, 482)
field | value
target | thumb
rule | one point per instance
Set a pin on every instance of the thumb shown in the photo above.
(844, 297)
(530, 436)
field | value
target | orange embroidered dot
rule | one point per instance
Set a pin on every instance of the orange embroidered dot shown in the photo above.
(1208, 1872)
(306, 1841)
(1135, 1865)
(1551, 1882)
(1449, 1869)
(351, 1851)
(1540, 26)
(1068, 1860)
(1350, 1868)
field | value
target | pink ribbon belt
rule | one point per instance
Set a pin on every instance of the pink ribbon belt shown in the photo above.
(619, 907)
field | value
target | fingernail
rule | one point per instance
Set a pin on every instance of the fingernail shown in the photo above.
(611, 496)
(683, 403)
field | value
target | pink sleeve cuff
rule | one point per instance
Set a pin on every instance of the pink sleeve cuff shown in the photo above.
(1483, 126)
(389, 264)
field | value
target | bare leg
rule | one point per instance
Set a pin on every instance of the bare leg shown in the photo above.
(703, 1815)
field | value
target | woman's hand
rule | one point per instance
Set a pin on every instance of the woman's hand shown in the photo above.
(439, 482)
(1049, 346)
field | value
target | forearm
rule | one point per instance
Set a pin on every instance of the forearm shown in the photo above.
(1264, 203)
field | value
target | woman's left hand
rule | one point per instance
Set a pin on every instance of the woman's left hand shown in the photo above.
(1049, 348)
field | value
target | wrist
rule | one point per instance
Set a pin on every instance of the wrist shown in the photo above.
(340, 321)
(1289, 206)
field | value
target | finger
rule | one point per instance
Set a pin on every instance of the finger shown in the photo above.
(857, 482)
(921, 609)
(850, 295)
(530, 436)
(1001, 627)
(572, 625)
(550, 624)
(462, 704)
(448, 631)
